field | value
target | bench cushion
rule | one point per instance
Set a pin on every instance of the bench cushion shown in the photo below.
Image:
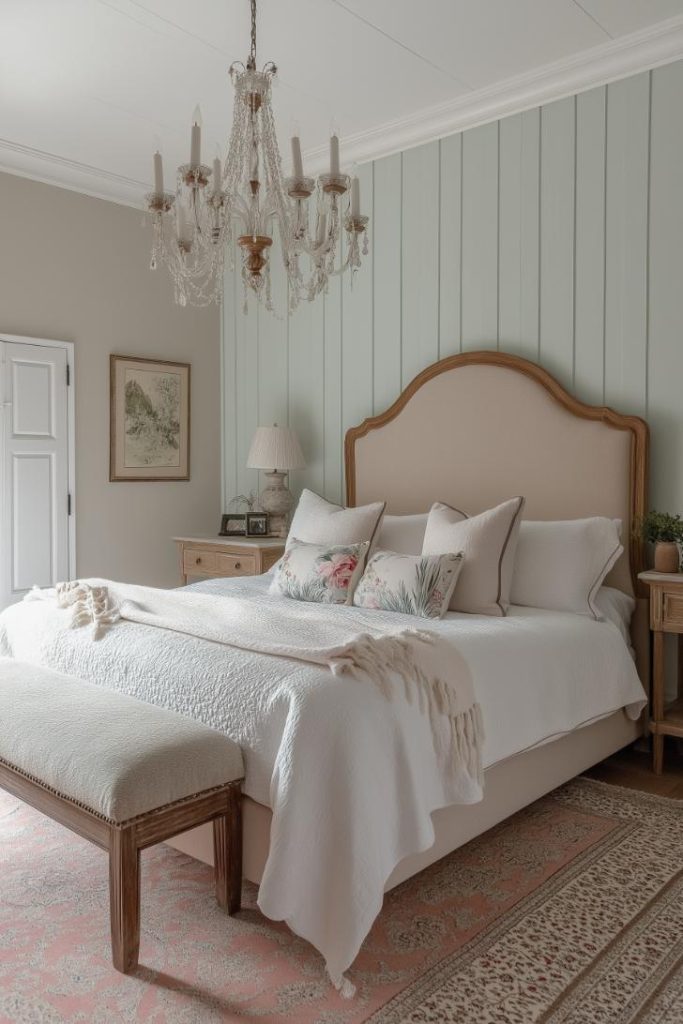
(116, 755)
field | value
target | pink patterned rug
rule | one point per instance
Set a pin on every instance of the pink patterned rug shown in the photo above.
(571, 911)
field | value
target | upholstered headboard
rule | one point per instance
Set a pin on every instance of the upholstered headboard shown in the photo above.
(477, 428)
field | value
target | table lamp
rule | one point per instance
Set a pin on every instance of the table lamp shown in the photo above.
(276, 450)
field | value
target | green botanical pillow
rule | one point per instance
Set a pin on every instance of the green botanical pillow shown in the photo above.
(410, 584)
(319, 572)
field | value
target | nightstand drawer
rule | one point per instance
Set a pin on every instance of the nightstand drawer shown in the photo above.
(218, 556)
(235, 565)
(198, 562)
(672, 610)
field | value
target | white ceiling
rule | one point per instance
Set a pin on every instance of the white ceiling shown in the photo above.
(89, 88)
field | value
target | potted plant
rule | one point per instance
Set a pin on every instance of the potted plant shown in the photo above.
(665, 531)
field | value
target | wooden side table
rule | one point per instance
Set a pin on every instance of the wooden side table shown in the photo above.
(666, 616)
(215, 557)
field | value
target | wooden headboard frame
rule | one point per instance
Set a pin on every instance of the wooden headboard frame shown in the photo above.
(637, 427)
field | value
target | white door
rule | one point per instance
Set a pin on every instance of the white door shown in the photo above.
(34, 468)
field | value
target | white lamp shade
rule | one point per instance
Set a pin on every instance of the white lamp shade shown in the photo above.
(275, 448)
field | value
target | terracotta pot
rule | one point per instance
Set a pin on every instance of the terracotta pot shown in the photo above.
(667, 557)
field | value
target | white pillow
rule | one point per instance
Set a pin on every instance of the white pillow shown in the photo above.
(318, 572)
(318, 521)
(560, 564)
(488, 543)
(403, 534)
(409, 584)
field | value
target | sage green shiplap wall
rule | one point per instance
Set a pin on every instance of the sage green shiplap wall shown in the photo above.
(556, 234)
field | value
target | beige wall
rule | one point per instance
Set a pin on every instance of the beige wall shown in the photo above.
(77, 269)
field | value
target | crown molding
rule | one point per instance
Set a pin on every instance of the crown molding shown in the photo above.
(639, 51)
(51, 169)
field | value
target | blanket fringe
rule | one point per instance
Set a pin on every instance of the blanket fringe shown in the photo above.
(382, 658)
(90, 605)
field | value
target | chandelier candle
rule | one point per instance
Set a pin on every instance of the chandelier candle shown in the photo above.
(158, 174)
(334, 154)
(196, 139)
(245, 200)
(297, 162)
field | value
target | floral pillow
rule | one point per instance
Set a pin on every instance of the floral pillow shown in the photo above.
(319, 572)
(411, 584)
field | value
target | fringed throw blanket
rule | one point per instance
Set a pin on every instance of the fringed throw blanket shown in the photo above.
(430, 668)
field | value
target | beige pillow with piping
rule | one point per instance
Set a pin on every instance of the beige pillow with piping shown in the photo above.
(488, 543)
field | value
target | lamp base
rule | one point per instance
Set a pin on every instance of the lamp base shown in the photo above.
(277, 500)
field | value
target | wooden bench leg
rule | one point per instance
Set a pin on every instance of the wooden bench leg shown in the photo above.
(227, 852)
(124, 898)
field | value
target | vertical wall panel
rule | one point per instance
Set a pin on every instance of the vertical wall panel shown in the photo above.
(518, 234)
(386, 259)
(272, 350)
(420, 262)
(480, 238)
(229, 391)
(246, 400)
(626, 243)
(306, 392)
(333, 468)
(589, 302)
(450, 242)
(665, 349)
(557, 238)
(357, 302)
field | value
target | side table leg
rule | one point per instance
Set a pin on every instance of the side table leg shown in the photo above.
(658, 701)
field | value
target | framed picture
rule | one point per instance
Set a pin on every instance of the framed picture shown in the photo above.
(233, 524)
(257, 524)
(149, 419)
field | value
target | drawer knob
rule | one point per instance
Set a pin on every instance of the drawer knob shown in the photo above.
(198, 561)
(238, 565)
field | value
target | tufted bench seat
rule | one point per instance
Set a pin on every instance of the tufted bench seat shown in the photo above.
(123, 774)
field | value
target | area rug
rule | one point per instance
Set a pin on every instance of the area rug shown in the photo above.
(571, 912)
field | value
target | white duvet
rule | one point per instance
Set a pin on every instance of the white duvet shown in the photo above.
(351, 778)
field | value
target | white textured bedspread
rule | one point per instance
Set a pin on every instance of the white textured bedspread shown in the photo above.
(351, 778)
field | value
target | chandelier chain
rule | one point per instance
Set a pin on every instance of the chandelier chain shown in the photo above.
(252, 55)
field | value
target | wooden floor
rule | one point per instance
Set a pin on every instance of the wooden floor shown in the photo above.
(632, 768)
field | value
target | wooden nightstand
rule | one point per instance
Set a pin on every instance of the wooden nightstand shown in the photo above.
(666, 616)
(227, 556)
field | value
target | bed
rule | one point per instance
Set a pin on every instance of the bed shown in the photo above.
(473, 430)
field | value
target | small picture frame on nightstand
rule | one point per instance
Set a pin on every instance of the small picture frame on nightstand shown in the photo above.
(233, 524)
(257, 524)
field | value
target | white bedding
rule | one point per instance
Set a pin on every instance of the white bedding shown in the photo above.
(351, 778)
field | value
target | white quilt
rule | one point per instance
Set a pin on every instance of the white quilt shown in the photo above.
(351, 778)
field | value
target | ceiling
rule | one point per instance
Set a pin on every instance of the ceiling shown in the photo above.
(89, 88)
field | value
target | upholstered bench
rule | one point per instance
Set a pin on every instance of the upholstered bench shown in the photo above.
(123, 774)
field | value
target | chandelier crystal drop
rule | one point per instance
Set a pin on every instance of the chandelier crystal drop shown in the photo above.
(241, 202)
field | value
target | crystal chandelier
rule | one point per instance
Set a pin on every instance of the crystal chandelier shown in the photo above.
(242, 201)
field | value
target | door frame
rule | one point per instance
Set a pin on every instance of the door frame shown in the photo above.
(21, 339)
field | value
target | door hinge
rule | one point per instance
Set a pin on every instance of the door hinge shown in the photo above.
(68, 375)
(68, 504)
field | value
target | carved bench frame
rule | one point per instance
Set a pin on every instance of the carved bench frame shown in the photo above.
(124, 841)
